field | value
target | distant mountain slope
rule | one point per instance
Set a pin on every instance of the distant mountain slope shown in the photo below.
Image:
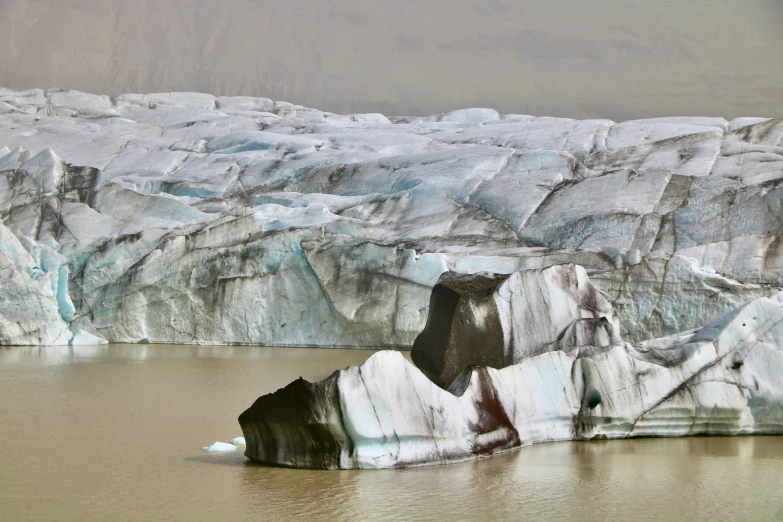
(618, 59)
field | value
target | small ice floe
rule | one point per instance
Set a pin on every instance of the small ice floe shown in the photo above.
(219, 447)
(708, 270)
(238, 441)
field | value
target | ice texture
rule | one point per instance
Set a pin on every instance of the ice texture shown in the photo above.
(186, 218)
(726, 378)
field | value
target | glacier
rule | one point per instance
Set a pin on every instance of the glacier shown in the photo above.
(725, 378)
(190, 218)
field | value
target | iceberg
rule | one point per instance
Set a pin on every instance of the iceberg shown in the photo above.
(725, 378)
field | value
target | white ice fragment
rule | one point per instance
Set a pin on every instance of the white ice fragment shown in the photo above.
(219, 447)
(708, 270)
(238, 441)
(82, 338)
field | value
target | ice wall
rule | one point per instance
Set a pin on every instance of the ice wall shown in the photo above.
(189, 218)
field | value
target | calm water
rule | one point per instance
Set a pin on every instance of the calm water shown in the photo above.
(115, 433)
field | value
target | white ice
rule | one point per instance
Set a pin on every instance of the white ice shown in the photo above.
(185, 218)
(219, 447)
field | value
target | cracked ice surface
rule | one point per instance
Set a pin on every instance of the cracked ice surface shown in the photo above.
(188, 218)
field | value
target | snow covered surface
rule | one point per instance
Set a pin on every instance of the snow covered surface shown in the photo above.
(189, 218)
(724, 379)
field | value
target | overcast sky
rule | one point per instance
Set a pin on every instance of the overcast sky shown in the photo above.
(617, 59)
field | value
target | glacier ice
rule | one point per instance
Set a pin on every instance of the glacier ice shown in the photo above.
(725, 378)
(189, 218)
(219, 447)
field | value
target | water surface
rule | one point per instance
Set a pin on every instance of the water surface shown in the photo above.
(115, 433)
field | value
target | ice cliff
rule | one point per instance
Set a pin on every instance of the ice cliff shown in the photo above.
(189, 218)
(724, 379)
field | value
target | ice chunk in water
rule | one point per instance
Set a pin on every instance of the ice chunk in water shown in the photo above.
(219, 447)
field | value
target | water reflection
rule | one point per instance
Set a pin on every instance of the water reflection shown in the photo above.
(655, 479)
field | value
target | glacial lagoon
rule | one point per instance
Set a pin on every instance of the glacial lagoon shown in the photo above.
(115, 432)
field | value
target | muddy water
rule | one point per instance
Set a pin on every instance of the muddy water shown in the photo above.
(115, 433)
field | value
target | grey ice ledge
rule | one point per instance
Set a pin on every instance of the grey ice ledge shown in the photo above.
(186, 218)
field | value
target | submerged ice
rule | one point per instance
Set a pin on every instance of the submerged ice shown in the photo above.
(188, 218)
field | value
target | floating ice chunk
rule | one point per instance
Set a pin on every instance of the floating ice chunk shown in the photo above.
(238, 441)
(708, 270)
(719, 381)
(219, 447)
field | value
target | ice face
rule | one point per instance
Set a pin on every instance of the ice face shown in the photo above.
(185, 218)
(723, 379)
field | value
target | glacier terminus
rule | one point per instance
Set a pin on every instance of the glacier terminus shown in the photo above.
(189, 218)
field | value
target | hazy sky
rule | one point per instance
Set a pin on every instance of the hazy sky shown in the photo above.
(617, 59)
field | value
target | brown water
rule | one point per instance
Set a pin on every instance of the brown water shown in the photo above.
(115, 433)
